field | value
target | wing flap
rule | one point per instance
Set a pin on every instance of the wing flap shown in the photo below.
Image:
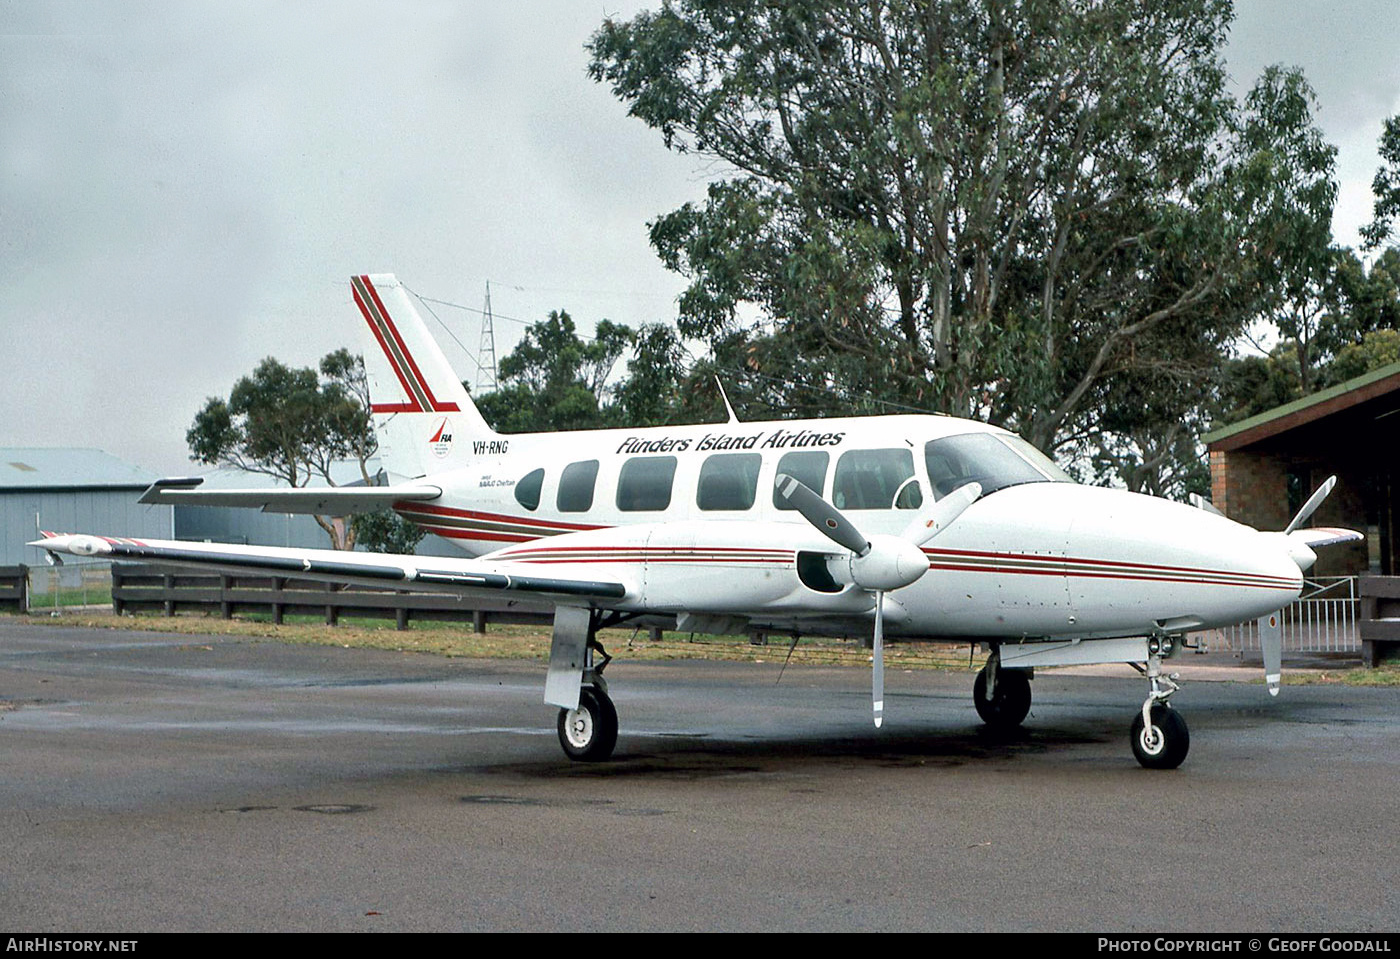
(334, 500)
(439, 574)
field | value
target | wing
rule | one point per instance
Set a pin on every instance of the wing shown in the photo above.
(467, 577)
(335, 500)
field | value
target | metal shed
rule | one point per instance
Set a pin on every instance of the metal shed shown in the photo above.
(71, 491)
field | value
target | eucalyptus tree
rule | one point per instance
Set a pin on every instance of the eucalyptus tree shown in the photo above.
(292, 424)
(981, 207)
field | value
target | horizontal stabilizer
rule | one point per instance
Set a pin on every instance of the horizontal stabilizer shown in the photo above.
(1325, 536)
(332, 500)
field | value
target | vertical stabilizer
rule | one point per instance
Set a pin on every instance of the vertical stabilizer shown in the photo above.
(423, 416)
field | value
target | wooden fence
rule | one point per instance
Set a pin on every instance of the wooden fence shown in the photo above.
(1380, 619)
(144, 588)
(14, 588)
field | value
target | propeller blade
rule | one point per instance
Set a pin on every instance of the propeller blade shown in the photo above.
(1200, 502)
(941, 515)
(1311, 505)
(877, 672)
(1271, 644)
(822, 515)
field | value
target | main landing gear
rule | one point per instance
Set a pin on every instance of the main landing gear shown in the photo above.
(589, 732)
(587, 721)
(1002, 696)
(1159, 736)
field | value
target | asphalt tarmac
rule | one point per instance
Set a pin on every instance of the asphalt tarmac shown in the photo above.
(151, 782)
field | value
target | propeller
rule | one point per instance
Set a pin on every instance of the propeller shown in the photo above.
(879, 563)
(1310, 507)
(1270, 627)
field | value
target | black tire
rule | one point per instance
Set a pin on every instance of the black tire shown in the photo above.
(589, 733)
(1166, 744)
(1011, 702)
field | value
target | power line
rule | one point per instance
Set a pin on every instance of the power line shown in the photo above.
(829, 391)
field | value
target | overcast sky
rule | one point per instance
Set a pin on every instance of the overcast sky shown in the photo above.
(185, 187)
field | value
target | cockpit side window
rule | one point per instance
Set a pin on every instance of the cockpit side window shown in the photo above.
(527, 491)
(991, 459)
(871, 479)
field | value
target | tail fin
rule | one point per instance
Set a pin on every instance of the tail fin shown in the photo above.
(423, 416)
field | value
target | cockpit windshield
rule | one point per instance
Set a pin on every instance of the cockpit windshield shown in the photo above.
(995, 460)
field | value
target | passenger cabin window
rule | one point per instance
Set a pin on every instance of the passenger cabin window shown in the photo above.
(875, 479)
(527, 491)
(576, 485)
(728, 481)
(807, 466)
(992, 459)
(645, 483)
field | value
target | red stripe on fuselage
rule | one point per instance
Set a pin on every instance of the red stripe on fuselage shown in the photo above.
(409, 506)
(1144, 567)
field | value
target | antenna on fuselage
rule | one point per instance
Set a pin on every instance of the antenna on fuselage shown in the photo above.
(725, 396)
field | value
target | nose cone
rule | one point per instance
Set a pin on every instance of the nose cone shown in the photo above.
(1177, 563)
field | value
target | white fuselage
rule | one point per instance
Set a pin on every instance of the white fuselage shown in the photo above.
(706, 538)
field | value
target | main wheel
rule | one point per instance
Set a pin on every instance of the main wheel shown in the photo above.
(589, 733)
(1010, 702)
(1162, 745)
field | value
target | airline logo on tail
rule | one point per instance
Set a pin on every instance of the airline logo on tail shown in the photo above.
(441, 440)
(415, 386)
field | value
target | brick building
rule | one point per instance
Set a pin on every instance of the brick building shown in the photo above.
(1264, 468)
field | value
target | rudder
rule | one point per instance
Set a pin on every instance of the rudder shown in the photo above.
(423, 416)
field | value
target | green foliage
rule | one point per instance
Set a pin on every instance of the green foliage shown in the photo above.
(1386, 187)
(1017, 211)
(384, 531)
(290, 423)
(556, 380)
(1377, 348)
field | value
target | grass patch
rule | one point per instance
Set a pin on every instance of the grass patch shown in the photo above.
(1388, 674)
(521, 642)
(532, 642)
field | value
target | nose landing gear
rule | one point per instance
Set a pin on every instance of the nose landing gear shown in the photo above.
(1159, 736)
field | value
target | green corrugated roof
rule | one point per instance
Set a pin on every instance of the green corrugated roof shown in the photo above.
(1313, 399)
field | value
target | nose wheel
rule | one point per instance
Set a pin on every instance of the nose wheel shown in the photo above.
(1163, 742)
(589, 733)
(1159, 736)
